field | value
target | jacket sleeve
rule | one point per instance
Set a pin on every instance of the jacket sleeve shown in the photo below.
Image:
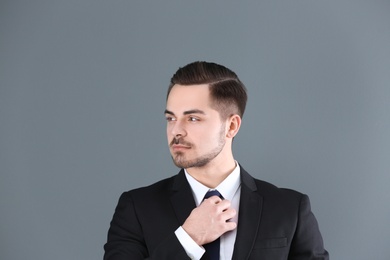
(126, 241)
(307, 242)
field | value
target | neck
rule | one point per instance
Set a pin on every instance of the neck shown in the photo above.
(212, 174)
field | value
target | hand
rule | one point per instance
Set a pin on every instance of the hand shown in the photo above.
(210, 220)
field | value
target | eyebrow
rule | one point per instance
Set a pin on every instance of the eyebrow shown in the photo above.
(188, 112)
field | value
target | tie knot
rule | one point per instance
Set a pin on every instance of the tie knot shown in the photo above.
(211, 193)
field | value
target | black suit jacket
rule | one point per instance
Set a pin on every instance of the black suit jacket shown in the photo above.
(273, 223)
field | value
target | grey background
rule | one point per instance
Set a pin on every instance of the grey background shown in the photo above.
(82, 95)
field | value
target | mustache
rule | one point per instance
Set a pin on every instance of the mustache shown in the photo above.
(179, 141)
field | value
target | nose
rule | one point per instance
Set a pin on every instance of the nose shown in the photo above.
(176, 129)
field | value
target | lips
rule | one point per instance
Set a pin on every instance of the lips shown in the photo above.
(179, 147)
(179, 143)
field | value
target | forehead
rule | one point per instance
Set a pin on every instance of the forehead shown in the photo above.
(182, 98)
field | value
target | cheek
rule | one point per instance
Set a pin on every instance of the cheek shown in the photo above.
(210, 138)
(169, 134)
(169, 128)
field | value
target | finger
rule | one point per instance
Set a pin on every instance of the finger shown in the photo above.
(228, 214)
(214, 199)
(230, 226)
(224, 205)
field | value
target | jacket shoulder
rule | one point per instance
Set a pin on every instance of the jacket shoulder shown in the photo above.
(267, 187)
(158, 187)
(158, 190)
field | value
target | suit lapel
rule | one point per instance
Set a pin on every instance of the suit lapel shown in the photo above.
(182, 199)
(249, 217)
(249, 214)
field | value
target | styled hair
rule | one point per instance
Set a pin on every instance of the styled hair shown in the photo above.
(227, 92)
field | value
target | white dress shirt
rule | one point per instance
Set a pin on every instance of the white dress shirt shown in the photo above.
(230, 189)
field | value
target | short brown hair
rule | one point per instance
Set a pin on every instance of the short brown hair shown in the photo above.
(226, 89)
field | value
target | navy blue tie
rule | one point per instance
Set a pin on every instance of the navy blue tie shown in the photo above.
(212, 248)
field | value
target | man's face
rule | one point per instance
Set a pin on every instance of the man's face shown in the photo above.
(196, 134)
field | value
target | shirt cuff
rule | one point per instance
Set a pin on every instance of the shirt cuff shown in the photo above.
(193, 250)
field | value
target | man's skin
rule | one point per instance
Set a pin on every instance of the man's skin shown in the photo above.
(201, 142)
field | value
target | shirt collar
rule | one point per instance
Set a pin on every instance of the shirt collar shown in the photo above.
(228, 187)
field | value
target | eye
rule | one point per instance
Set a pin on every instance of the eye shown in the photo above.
(170, 118)
(193, 119)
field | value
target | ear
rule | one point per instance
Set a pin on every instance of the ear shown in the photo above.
(233, 125)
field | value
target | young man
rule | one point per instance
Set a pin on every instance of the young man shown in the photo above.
(213, 209)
